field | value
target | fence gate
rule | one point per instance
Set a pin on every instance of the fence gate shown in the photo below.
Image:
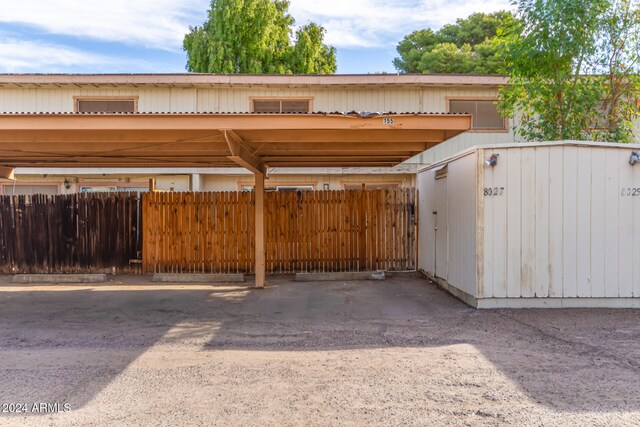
(306, 231)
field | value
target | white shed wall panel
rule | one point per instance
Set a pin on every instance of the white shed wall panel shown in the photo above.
(462, 200)
(556, 222)
(427, 221)
(450, 251)
(563, 221)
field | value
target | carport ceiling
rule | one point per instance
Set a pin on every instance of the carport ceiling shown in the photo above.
(254, 141)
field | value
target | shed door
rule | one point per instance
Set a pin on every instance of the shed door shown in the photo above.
(441, 232)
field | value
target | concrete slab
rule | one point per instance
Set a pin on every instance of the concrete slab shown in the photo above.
(345, 276)
(59, 278)
(198, 278)
(309, 353)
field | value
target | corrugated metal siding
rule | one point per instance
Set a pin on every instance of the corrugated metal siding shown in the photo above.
(562, 228)
(454, 200)
(376, 100)
(61, 100)
(161, 99)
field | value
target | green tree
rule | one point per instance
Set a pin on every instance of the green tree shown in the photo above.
(475, 29)
(618, 56)
(448, 58)
(254, 36)
(474, 38)
(309, 55)
(567, 79)
(411, 49)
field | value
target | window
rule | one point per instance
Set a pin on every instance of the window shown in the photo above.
(280, 105)
(110, 189)
(281, 188)
(29, 189)
(371, 186)
(294, 188)
(106, 105)
(484, 111)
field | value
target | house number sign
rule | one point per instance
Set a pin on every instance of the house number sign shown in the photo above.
(493, 191)
(630, 192)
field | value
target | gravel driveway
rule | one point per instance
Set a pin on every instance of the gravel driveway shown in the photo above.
(400, 352)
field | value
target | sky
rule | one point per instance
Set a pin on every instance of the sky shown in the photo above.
(145, 36)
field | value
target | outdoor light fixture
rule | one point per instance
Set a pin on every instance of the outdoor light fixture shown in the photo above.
(492, 161)
(67, 184)
(635, 158)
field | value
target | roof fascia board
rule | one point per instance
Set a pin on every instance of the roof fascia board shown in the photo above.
(249, 80)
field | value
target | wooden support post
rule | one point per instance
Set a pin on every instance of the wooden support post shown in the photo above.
(152, 185)
(260, 234)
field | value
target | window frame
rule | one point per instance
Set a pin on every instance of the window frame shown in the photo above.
(280, 98)
(6, 189)
(276, 184)
(504, 129)
(344, 184)
(118, 185)
(77, 99)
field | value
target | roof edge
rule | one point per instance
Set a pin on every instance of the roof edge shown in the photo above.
(192, 79)
(565, 143)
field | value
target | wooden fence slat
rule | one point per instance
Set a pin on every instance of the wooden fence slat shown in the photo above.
(68, 233)
(209, 232)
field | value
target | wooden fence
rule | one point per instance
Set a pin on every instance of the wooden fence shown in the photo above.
(198, 232)
(69, 233)
(305, 231)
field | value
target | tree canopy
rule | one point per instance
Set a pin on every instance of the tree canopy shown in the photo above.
(573, 68)
(468, 46)
(255, 37)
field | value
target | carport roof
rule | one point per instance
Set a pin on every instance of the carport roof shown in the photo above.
(251, 140)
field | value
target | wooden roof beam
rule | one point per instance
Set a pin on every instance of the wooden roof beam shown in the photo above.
(7, 172)
(241, 155)
(238, 122)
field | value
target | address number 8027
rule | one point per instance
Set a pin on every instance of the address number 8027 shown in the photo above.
(493, 191)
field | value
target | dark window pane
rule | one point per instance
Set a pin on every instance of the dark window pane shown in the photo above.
(485, 113)
(295, 106)
(106, 105)
(457, 106)
(280, 105)
(266, 106)
(487, 116)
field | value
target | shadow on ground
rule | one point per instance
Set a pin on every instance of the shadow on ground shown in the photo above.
(66, 346)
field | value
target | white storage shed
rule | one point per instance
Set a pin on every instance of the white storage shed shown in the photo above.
(534, 225)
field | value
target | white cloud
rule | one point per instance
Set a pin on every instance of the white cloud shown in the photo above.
(376, 23)
(34, 56)
(159, 24)
(21, 55)
(162, 24)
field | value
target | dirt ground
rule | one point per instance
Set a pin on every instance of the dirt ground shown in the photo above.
(399, 352)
